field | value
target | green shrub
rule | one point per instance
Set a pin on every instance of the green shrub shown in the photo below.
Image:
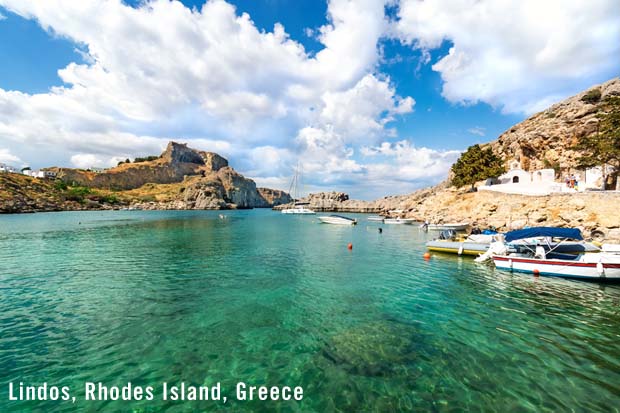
(146, 159)
(77, 193)
(592, 96)
(60, 185)
(476, 164)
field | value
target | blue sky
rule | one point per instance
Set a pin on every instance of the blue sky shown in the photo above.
(373, 98)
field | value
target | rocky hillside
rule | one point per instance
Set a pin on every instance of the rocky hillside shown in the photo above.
(20, 193)
(547, 139)
(176, 162)
(181, 178)
(588, 211)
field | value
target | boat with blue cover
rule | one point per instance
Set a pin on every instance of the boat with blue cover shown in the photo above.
(535, 259)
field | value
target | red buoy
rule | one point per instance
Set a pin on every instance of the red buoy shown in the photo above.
(350, 246)
(427, 255)
(536, 273)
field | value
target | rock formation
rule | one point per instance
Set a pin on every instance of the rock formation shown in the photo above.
(205, 181)
(547, 139)
(274, 196)
(173, 165)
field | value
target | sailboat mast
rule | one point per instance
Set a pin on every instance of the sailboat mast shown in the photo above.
(293, 188)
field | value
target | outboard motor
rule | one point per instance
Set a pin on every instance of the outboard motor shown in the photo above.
(447, 234)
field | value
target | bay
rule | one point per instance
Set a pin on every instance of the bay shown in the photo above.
(268, 299)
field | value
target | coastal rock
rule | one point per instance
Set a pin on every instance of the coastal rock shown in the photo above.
(204, 194)
(180, 153)
(203, 180)
(224, 189)
(274, 197)
(587, 211)
(547, 139)
(239, 190)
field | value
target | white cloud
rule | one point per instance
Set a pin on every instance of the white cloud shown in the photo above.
(2, 17)
(89, 160)
(7, 157)
(517, 55)
(206, 73)
(410, 163)
(363, 111)
(211, 76)
(477, 130)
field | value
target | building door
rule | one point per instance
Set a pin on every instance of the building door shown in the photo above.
(515, 179)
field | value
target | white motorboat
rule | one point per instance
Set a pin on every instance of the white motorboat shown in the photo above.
(450, 242)
(298, 207)
(337, 220)
(399, 221)
(375, 218)
(476, 244)
(597, 266)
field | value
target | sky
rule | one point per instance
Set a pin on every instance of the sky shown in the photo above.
(370, 97)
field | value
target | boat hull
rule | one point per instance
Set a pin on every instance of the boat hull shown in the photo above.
(454, 247)
(298, 211)
(477, 248)
(577, 269)
(337, 221)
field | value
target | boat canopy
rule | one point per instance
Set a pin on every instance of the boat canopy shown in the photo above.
(572, 233)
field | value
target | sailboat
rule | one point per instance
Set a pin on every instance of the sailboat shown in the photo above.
(298, 207)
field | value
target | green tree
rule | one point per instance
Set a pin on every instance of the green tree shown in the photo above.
(603, 147)
(476, 164)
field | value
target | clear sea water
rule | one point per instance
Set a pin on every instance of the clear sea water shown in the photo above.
(266, 298)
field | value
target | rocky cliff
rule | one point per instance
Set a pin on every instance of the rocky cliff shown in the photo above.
(173, 165)
(588, 211)
(548, 138)
(180, 178)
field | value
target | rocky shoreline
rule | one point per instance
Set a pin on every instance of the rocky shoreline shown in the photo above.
(588, 211)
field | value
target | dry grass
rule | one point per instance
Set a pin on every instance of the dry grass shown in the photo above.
(153, 192)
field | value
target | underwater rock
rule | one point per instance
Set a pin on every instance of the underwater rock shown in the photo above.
(373, 349)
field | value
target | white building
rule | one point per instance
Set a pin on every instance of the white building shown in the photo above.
(4, 168)
(542, 181)
(519, 181)
(40, 174)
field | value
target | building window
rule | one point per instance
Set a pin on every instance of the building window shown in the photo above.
(515, 179)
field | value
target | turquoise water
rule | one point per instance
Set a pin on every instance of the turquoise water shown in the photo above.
(266, 298)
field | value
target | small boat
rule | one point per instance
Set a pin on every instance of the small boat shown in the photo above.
(298, 207)
(471, 245)
(400, 221)
(454, 226)
(477, 244)
(596, 266)
(375, 218)
(337, 220)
